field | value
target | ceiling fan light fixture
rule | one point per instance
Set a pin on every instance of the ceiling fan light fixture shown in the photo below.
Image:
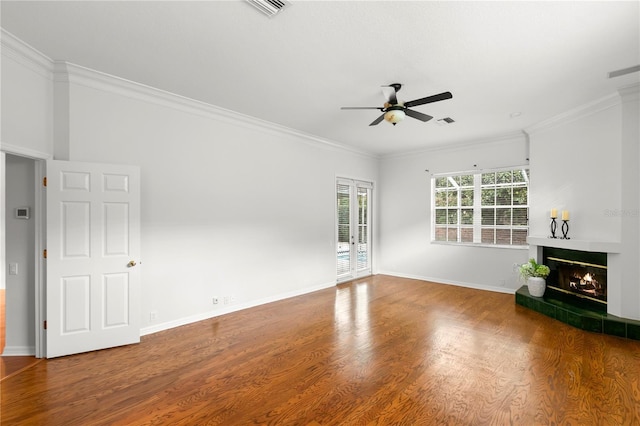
(394, 116)
(394, 111)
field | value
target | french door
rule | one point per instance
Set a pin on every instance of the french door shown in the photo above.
(353, 228)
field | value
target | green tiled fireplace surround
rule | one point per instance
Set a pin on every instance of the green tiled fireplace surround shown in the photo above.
(585, 319)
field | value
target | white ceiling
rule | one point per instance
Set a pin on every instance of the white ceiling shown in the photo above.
(297, 69)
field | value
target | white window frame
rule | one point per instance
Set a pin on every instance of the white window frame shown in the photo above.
(476, 226)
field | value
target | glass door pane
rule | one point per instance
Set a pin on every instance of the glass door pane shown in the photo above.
(343, 245)
(363, 263)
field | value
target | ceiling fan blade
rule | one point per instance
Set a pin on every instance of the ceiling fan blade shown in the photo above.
(389, 93)
(429, 99)
(380, 108)
(377, 120)
(415, 114)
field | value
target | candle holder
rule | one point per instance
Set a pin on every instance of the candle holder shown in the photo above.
(565, 230)
(554, 227)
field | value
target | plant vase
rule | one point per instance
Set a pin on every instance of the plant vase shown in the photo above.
(536, 286)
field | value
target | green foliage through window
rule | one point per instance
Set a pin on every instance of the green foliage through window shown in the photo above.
(486, 208)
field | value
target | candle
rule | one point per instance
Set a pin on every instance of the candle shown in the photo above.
(565, 214)
(554, 213)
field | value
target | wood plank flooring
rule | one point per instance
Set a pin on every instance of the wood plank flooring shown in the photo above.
(377, 351)
(10, 365)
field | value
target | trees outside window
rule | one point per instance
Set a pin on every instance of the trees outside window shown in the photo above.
(490, 208)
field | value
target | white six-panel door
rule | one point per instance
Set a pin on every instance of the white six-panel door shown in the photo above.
(93, 251)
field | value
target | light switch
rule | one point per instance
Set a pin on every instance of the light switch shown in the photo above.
(13, 269)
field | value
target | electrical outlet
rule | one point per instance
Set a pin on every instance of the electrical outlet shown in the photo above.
(225, 300)
(215, 300)
(153, 315)
(232, 299)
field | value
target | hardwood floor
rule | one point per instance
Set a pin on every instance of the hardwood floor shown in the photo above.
(378, 351)
(10, 365)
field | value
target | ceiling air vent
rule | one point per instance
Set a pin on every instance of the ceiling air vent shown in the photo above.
(269, 7)
(445, 121)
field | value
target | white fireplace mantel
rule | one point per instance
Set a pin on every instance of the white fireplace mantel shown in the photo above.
(571, 244)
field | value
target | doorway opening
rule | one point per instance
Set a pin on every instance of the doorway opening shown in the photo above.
(22, 217)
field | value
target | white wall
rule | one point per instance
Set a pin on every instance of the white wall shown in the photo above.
(405, 215)
(27, 98)
(229, 208)
(629, 306)
(576, 166)
(20, 237)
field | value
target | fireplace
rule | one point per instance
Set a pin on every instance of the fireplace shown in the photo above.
(600, 307)
(579, 275)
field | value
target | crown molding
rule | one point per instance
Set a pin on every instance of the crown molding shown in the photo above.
(26, 55)
(577, 113)
(66, 72)
(630, 93)
(511, 137)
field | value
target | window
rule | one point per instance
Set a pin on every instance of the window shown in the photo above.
(490, 208)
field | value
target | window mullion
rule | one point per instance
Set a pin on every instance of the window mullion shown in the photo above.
(477, 208)
(459, 213)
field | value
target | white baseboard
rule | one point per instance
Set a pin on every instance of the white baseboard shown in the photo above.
(19, 351)
(229, 309)
(456, 283)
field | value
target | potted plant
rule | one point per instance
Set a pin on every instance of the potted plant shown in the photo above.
(534, 274)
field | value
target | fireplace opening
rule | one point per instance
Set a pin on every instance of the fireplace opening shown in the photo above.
(578, 274)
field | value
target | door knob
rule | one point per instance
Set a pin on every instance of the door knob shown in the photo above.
(131, 264)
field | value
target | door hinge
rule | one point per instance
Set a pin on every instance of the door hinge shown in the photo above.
(44, 324)
(44, 181)
(44, 253)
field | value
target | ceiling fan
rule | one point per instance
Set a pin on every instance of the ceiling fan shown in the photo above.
(394, 111)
